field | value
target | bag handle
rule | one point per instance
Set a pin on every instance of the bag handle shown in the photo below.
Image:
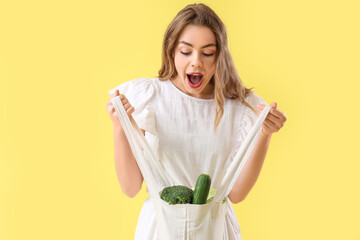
(241, 157)
(144, 156)
(150, 166)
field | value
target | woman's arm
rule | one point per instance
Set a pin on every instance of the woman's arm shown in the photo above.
(273, 122)
(127, 169)
(251, 170)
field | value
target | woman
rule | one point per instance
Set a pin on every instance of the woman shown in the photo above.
(196, 114)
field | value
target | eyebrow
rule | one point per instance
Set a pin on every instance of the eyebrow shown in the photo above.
(207, 45)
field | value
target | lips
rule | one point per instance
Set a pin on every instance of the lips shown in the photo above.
(195, 79)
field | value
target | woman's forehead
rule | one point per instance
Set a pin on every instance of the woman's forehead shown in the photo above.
(182, 42)
(197, 36)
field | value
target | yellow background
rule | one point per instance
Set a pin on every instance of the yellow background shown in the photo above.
(58, 59)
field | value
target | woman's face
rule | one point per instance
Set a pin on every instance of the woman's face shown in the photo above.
(195, 53)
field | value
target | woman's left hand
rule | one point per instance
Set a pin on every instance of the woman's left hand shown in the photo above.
(273, 121)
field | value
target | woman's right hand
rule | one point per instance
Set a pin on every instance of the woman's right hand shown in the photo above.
(112, 112)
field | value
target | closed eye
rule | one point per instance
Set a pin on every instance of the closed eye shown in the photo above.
(188, 53)
(208, 55)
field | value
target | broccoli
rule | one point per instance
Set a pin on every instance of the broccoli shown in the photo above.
(177, 194)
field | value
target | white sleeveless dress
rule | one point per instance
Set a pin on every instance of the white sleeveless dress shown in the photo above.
(180, 128)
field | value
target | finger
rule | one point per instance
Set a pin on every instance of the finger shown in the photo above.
(273, 105)
(278, 114)
(266, 127)
(276, 121)
(127, 106)
(282, 116)
(130, 111)
(271, 125)
(108, 104)
(124, 101)
(115, 93)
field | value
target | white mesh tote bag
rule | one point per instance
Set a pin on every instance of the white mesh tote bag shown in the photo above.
(185, 221)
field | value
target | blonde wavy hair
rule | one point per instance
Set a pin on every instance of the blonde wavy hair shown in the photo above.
(226, 81)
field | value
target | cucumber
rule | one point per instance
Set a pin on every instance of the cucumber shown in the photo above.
(201, 190)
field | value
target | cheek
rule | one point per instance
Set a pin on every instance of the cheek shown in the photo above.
(211, 66)
(214, 63)
(179, 64)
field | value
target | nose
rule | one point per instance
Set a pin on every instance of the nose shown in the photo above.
(196, 61)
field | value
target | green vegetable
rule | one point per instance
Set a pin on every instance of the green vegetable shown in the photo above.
(211, 196)
(202, 188)
(177, 194)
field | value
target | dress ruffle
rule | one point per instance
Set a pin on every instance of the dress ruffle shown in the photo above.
(139, 92)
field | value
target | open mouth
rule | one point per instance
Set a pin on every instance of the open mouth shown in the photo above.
(194, 80)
